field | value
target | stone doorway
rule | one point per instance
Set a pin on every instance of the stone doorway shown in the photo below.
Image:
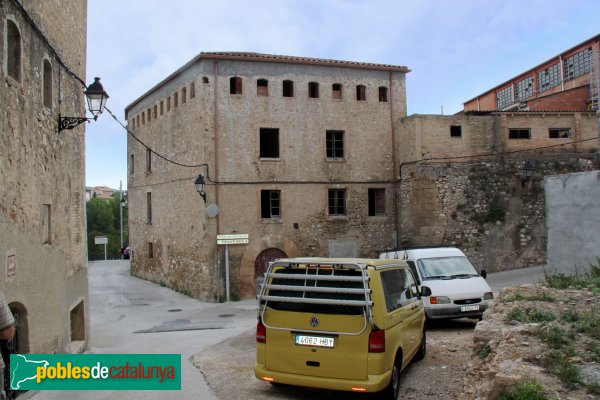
(262, 262)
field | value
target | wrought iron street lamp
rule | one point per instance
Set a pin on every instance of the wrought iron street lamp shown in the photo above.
(527, 173)
(200, 187)
(96, 99)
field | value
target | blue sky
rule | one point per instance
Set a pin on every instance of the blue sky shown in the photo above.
(455, 49)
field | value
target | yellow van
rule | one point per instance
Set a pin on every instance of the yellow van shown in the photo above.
(341, 324)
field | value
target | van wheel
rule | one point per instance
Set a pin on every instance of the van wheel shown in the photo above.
(423, 348)
(392, 390)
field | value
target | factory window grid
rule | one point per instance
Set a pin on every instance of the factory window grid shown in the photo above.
(524, 89)
(334, 144)
(336, 91)
(383, 94)
(504, 97)
(235, 85)
(519, 133)
(361, 93)
(376, 202)
(47, 84)
(288, 88)
(559, 133)
(262, 87)
(336, 202)
(313, 90)
(270, 204)
(455, 131)
(549, 78)
(13, 50)
(269, 143)
(578, 64)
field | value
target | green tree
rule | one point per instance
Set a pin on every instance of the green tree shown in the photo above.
(103, 219)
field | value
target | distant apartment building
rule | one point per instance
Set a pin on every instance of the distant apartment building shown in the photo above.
(101, 192)
(566, 82)
(299, 155)
(42, 185)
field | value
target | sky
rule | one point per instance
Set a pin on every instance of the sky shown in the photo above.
(455, 49)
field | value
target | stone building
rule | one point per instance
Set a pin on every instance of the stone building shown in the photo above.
(567, 81)
(298, 153)
(42, 185)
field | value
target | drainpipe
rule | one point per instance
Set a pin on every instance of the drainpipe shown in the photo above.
(216, 140)
(395, 212)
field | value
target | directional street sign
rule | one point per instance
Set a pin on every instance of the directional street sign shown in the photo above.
(235, 238)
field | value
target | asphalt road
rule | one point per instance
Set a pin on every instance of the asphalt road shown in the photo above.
(130, 315)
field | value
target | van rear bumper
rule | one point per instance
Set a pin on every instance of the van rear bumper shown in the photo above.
(374, 383)
(453, 311)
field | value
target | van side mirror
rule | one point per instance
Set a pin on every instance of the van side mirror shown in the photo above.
(425, 291)
(483, 273)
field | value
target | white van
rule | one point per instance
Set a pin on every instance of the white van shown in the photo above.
(457, 289)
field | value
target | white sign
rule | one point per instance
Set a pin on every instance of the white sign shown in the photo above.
(233, 238)
(100, 240)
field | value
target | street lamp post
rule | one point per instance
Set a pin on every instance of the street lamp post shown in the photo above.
(96, 99)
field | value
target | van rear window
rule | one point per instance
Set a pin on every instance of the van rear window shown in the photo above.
(308, 282)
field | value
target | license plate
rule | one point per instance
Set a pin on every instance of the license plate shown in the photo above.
(469, 308)
(317, 341)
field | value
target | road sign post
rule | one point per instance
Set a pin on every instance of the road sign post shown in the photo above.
(234, 238)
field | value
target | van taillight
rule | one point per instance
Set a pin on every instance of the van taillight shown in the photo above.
(261, 332)
(377, 342)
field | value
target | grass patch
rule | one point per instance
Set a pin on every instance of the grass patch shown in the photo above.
(535, 315)
(590, 280)
(485, 352)
(526, 389)
(540, 296)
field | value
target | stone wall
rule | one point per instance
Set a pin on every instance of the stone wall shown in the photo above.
(42, 177)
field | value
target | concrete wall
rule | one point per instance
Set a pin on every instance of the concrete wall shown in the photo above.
(223, 131)
(41, 170)
(573, 219)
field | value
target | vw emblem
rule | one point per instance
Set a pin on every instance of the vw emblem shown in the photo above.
(314, 322)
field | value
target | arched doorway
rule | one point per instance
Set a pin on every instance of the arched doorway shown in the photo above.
(262, 262)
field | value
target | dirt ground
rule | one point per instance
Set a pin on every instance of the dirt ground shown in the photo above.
(228, 368)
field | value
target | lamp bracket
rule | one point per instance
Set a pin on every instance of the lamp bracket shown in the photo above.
(70, 122)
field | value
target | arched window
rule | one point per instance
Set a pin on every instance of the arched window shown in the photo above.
(235, 85)
(47, 84)
(13, 55)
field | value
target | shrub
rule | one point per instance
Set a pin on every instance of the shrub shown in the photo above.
(526, 389)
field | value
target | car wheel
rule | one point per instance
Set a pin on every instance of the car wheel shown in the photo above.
(423, 348)
(392, 390)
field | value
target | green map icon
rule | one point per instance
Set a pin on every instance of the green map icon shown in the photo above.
(23, 369)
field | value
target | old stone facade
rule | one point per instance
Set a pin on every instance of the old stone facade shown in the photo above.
(299, 156)
(42, 185)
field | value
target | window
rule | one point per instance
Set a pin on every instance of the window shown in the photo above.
(559, 133)
(269, 143)
(524, 89)
(337, 201)
(150, 250)
(175, 99)
(383, 94)
(455, 130)
(47, 223)
(235, 85)
(149, 207)
(361, 93)
(132, 123)
(162, 107)
(334, 144)
(47, 84)
(143, 118)
(155, 112)
(183, 95)
(504, 98)
(519, 133)
(336, 91)
(288, 88)
(262, 87)
(138, 121)
(13, 54)
(578, 64)
(313, 90)
(399, 288)
(192, 90)
(549, 78)
(376, 202)
(131, 164)
(168, 103)
(148, 160)
(204, 79)
(270, 204)
(149, 115)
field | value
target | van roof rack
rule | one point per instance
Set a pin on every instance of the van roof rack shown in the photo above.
(418, 247)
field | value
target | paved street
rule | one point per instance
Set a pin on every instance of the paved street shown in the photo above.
(130, 315)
